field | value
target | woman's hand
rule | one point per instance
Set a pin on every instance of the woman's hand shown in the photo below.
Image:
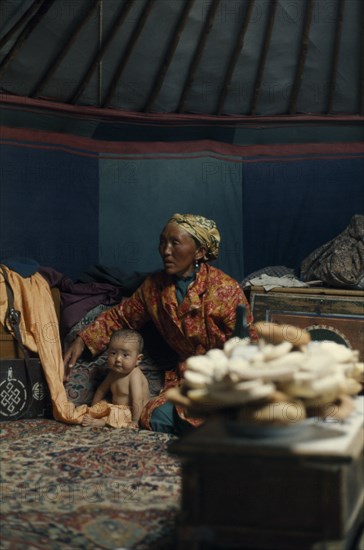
(72, 354)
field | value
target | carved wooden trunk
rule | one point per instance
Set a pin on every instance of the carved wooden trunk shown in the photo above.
(328, 314)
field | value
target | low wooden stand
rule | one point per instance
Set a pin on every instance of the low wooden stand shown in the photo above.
(302, 493)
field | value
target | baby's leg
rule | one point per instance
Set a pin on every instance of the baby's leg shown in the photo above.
(90, 422)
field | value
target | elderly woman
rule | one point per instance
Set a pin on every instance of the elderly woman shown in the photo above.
(192, 304)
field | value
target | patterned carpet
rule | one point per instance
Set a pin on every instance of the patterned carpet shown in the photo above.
(68, 487)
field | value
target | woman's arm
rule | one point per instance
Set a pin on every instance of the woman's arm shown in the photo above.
(130, 313)
(72, 354)
(237, 298)
(226, 294)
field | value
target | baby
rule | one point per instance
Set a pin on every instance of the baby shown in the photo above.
(128, 385)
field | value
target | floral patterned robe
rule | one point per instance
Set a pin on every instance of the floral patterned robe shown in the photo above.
(204, 320)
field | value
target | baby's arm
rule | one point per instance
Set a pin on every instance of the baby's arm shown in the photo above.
(139, 393)
(102, 390)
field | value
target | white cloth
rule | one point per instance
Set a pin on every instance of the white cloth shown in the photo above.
(268, 282)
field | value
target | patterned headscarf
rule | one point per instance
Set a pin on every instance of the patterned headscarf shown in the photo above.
(202, 229)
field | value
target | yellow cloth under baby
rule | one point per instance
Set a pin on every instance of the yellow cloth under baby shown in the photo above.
(40, 333)
(116, 416)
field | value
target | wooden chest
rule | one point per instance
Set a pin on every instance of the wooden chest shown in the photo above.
(328, 314)
(303, 494)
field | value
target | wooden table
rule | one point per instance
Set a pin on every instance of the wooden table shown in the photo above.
(283, 493)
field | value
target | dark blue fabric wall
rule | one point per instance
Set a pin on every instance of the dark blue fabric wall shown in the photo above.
(137, 197)
(49, 207)
(291, 208)
(71, 202)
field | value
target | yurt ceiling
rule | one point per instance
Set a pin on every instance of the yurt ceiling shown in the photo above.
(211, 57)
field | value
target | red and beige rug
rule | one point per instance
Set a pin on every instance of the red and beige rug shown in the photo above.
(68, 487)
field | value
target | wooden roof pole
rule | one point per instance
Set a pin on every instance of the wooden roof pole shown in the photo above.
(234, 57)
(198, 54)
(25, 33)
(94, 63)
(302, 58)
(169, 56)
(263, 55)
(28, 13)
(335, 55)
(57, 60)
(125, 57)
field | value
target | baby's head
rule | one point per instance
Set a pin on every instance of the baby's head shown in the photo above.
(125, 350)
(133, 337)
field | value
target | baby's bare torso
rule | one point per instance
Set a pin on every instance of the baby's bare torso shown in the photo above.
(120, 387)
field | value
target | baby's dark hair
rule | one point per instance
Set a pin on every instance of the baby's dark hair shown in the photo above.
(128, 333)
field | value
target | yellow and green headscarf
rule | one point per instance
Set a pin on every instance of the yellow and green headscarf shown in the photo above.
(202, 229)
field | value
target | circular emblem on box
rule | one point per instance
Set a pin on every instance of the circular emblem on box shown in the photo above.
(13, 396)
(320, 333)
(38, 391)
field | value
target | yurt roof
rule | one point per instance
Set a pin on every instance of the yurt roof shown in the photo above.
(208, 57)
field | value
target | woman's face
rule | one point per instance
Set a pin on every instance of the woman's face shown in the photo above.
(178, 251)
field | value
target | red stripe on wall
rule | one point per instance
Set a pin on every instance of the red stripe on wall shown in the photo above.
(88, 147)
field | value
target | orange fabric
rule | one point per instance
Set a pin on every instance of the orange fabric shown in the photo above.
(204, 320)
(116, 416)
(40, 334)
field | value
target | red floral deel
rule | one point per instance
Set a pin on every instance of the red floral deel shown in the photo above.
(204, 320)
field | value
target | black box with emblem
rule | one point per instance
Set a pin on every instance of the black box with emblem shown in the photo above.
(24, 391)
(23, 396)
